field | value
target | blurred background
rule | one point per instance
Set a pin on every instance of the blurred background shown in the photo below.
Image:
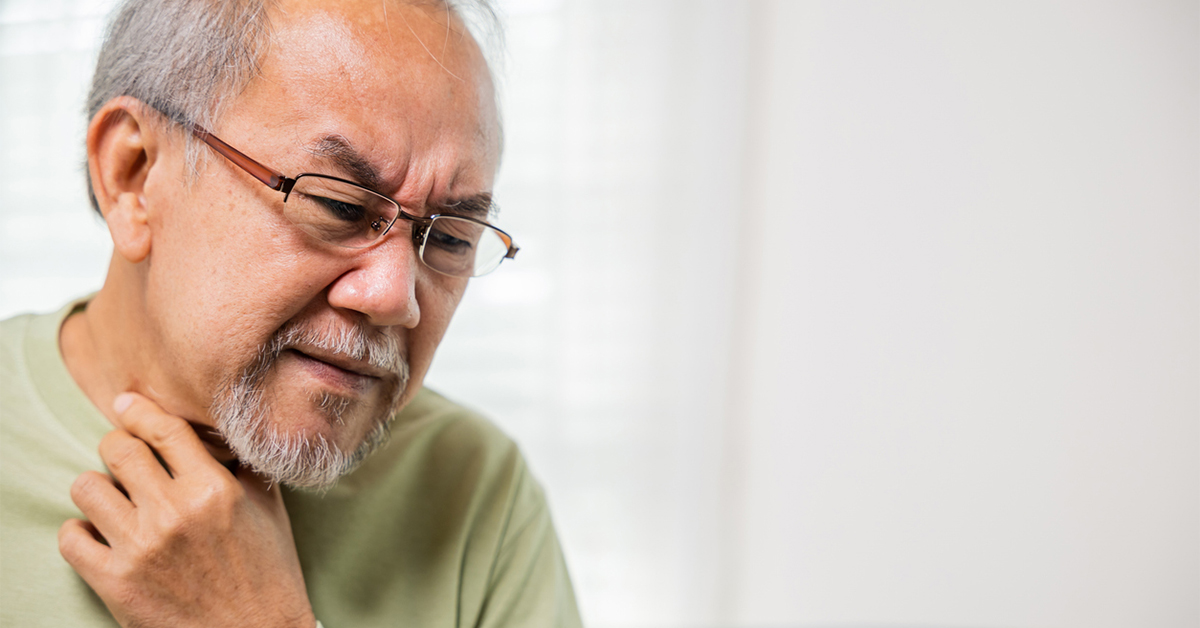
(826, 314)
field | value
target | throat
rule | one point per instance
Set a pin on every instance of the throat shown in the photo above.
(77, 345)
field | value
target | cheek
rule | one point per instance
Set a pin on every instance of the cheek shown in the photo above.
(439, 298)
(221, 278)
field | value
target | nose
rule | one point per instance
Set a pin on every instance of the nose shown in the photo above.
(382, 285)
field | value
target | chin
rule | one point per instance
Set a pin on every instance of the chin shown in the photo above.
(309, 450)
(303, 422)
(299, 434)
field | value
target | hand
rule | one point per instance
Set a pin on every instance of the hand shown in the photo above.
(190, 544)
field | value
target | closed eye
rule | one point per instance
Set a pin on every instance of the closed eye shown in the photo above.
(340, 210)
(447, 242)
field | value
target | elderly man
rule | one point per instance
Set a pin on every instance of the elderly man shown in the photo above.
(297, 194)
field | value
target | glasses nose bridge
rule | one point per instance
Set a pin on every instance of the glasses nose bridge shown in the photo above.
(420, 229)
(282, 183)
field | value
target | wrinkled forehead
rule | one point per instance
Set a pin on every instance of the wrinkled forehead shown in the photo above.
(393, 73)
(360, 35)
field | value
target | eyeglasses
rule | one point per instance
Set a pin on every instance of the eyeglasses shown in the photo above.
(347, 214)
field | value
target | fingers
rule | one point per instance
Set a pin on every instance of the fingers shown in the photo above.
(170, 436)
(133, 465)
(80, 546)
(100, 501)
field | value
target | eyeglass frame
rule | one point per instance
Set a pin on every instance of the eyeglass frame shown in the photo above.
(281, 183)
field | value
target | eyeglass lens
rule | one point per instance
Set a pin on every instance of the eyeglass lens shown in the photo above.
(345, 214)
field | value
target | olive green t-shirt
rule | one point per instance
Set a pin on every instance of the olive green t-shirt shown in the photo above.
(443, 526)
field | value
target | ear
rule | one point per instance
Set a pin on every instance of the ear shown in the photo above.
(122, 148)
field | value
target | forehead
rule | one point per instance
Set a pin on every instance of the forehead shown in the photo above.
(404, 84)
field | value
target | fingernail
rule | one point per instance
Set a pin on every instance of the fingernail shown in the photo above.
(122, 402)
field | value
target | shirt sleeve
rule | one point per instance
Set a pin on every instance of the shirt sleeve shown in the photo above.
(530, 585)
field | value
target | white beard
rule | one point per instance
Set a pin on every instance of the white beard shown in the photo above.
(243, 417)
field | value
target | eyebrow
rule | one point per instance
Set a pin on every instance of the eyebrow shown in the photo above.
(478, 206)
(338, 150)
(341, 152)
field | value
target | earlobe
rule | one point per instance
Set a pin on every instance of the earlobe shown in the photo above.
(121, 152)
(129, 228)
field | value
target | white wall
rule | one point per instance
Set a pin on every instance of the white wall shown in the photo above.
(970, 347)
(51, 246)
(827, 313)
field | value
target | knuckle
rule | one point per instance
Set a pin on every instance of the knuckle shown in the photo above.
(168, 429)
(85, 484)
(154, 544)
(218, 494)
(173, 522)
(214, 503)
(205, 504)
(118, 448)
(229, 485)
(111, 439)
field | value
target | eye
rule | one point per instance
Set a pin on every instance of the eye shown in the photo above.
(447, 242)
(340, 210)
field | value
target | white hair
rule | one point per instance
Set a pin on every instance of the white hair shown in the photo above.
(187, 58)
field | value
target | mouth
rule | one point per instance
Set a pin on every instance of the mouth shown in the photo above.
(338, 371)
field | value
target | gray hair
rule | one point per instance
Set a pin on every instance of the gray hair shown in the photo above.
(188, 58)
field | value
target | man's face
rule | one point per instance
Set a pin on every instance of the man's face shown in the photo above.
(228, 276)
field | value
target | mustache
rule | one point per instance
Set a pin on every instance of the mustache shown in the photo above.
(380, 349)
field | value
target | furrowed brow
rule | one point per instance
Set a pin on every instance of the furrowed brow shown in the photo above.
(345, 157)
(478, 206)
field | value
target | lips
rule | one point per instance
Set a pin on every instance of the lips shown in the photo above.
(339, 371)
(343, 361)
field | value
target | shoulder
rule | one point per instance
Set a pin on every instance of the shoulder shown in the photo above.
(512, 565)
(29, 342)
(450, 506)
(447, 476)
(12, 336)
(15, 378)
(445, 451)
(445, 428)
(15, 325)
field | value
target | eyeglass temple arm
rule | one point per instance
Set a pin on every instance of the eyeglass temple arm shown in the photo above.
(276, 180)
(270, 178)
(512, 246)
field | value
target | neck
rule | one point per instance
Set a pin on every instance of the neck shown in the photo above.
(98, 347)
(108, 349)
